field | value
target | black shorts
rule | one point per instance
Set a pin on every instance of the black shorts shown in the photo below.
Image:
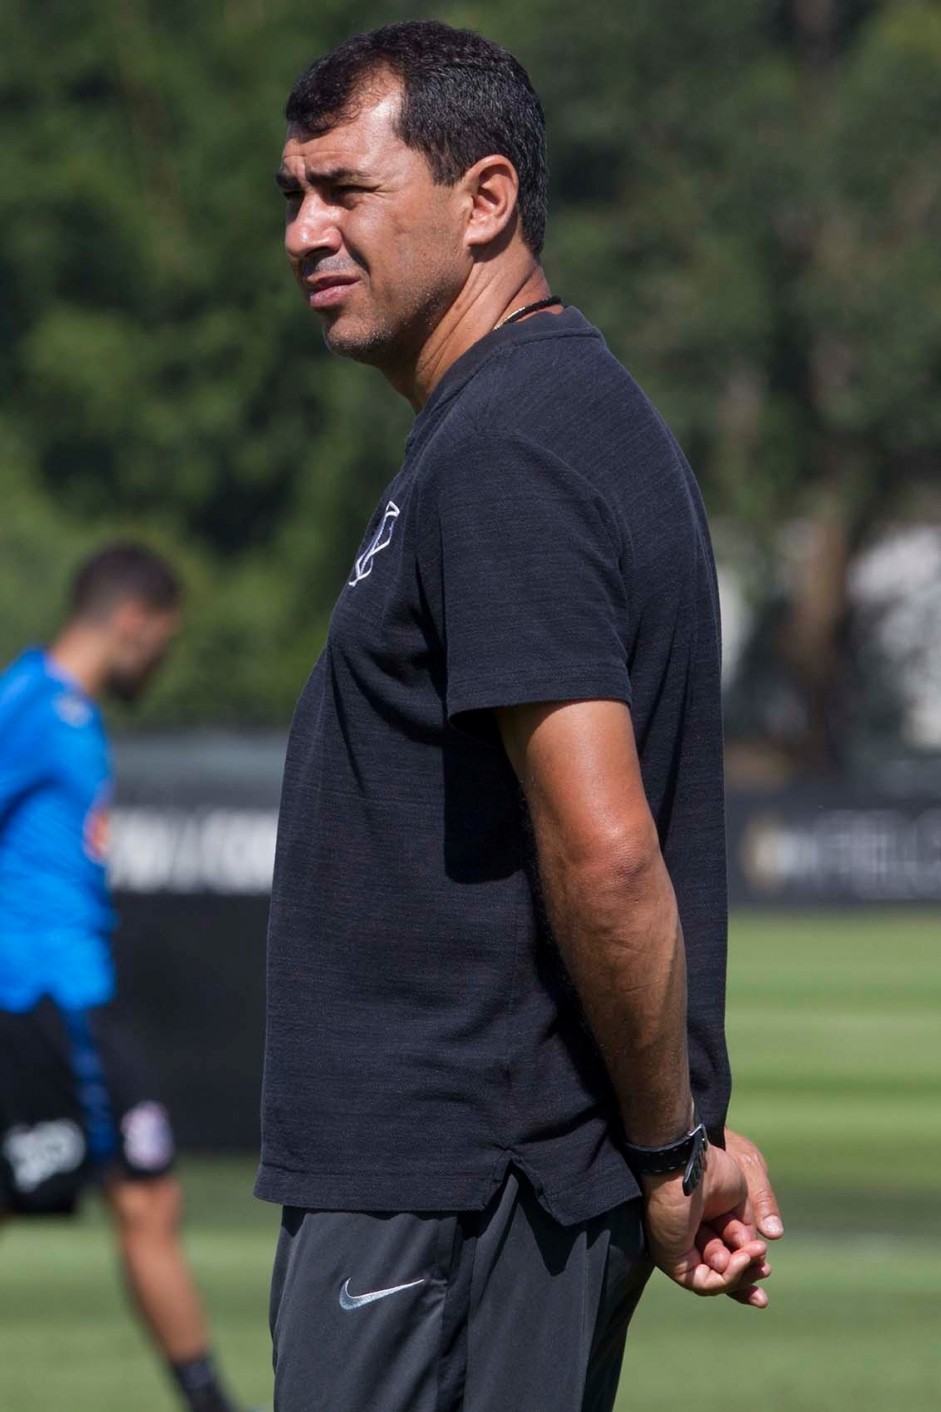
(76, 1105)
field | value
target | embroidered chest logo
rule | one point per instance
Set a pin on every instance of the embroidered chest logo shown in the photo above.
(380, 540)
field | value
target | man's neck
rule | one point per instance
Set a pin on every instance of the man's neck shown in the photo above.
(76, 652)
(475, 313)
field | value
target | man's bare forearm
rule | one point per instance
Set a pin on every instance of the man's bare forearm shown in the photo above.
(610, 900)
(615, 921)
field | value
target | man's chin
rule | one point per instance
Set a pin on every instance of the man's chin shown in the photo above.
(361, 345)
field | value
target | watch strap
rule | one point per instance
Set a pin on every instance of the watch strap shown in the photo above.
(687, 1155)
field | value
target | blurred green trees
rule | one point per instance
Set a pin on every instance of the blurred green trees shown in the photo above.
(747, 200)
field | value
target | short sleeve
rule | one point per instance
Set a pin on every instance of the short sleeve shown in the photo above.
(530, 573)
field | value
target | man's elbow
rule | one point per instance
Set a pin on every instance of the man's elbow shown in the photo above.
(618, 857)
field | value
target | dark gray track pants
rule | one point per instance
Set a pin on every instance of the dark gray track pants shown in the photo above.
(502, 1310)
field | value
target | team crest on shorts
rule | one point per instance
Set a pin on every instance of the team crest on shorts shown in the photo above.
(43, 1151)
(148, 1138)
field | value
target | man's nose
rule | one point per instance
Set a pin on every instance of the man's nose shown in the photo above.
(312, 227)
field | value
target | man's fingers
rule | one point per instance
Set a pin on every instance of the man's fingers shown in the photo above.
(712, 1248)
(762, 1199)
(693, 1274)
(716, 1241)
(751, 1295)
(748, 1291)
(769, 1222)
(735, 1232)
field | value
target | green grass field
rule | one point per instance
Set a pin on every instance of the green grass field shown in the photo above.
(834, 1028)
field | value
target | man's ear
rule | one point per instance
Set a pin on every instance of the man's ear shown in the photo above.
(492, 190)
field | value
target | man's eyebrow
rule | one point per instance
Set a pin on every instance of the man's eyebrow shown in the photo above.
(326, 176)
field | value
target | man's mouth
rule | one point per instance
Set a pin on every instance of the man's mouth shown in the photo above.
(324, 291)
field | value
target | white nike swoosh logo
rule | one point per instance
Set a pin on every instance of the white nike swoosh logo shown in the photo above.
(356, 1301)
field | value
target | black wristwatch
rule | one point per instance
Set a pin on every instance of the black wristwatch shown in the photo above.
(688, 1156)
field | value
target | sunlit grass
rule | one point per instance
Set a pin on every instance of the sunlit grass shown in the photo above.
(833, 1025)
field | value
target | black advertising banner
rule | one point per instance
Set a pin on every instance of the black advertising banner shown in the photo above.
(193, 837)
(833, 848)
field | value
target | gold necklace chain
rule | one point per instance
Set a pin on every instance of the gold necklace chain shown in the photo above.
(527, 309)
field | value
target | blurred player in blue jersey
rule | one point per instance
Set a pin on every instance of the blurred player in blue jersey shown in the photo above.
(76, 1104)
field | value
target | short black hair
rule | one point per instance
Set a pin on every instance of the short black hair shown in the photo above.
(122, 571)
(463, 98)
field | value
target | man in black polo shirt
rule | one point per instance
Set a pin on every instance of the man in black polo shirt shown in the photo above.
(496, 1079)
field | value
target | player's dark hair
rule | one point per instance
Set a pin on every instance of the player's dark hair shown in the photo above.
(121, 571)
(463, 98)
